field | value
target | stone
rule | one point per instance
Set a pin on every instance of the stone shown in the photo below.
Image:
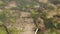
(25, 14)
(44, 1)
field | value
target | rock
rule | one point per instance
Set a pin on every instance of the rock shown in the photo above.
(44, 1)
(11, 4)
(25, 24)
(25, 14)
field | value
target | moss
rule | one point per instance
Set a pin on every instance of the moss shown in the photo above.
(22, 31)
(13, 20)
(34, 13)
(13, 30)
(27, 5)
(1, 22)
(1, 3)
(2, 30)
(53, 31)
(2, 17)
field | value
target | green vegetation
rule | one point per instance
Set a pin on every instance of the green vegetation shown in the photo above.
(2, 30)
(4, 16)
(13, 30)
(49, 12)
(55, 1)
(1, 3)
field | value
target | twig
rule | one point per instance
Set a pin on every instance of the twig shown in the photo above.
(36, 31)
